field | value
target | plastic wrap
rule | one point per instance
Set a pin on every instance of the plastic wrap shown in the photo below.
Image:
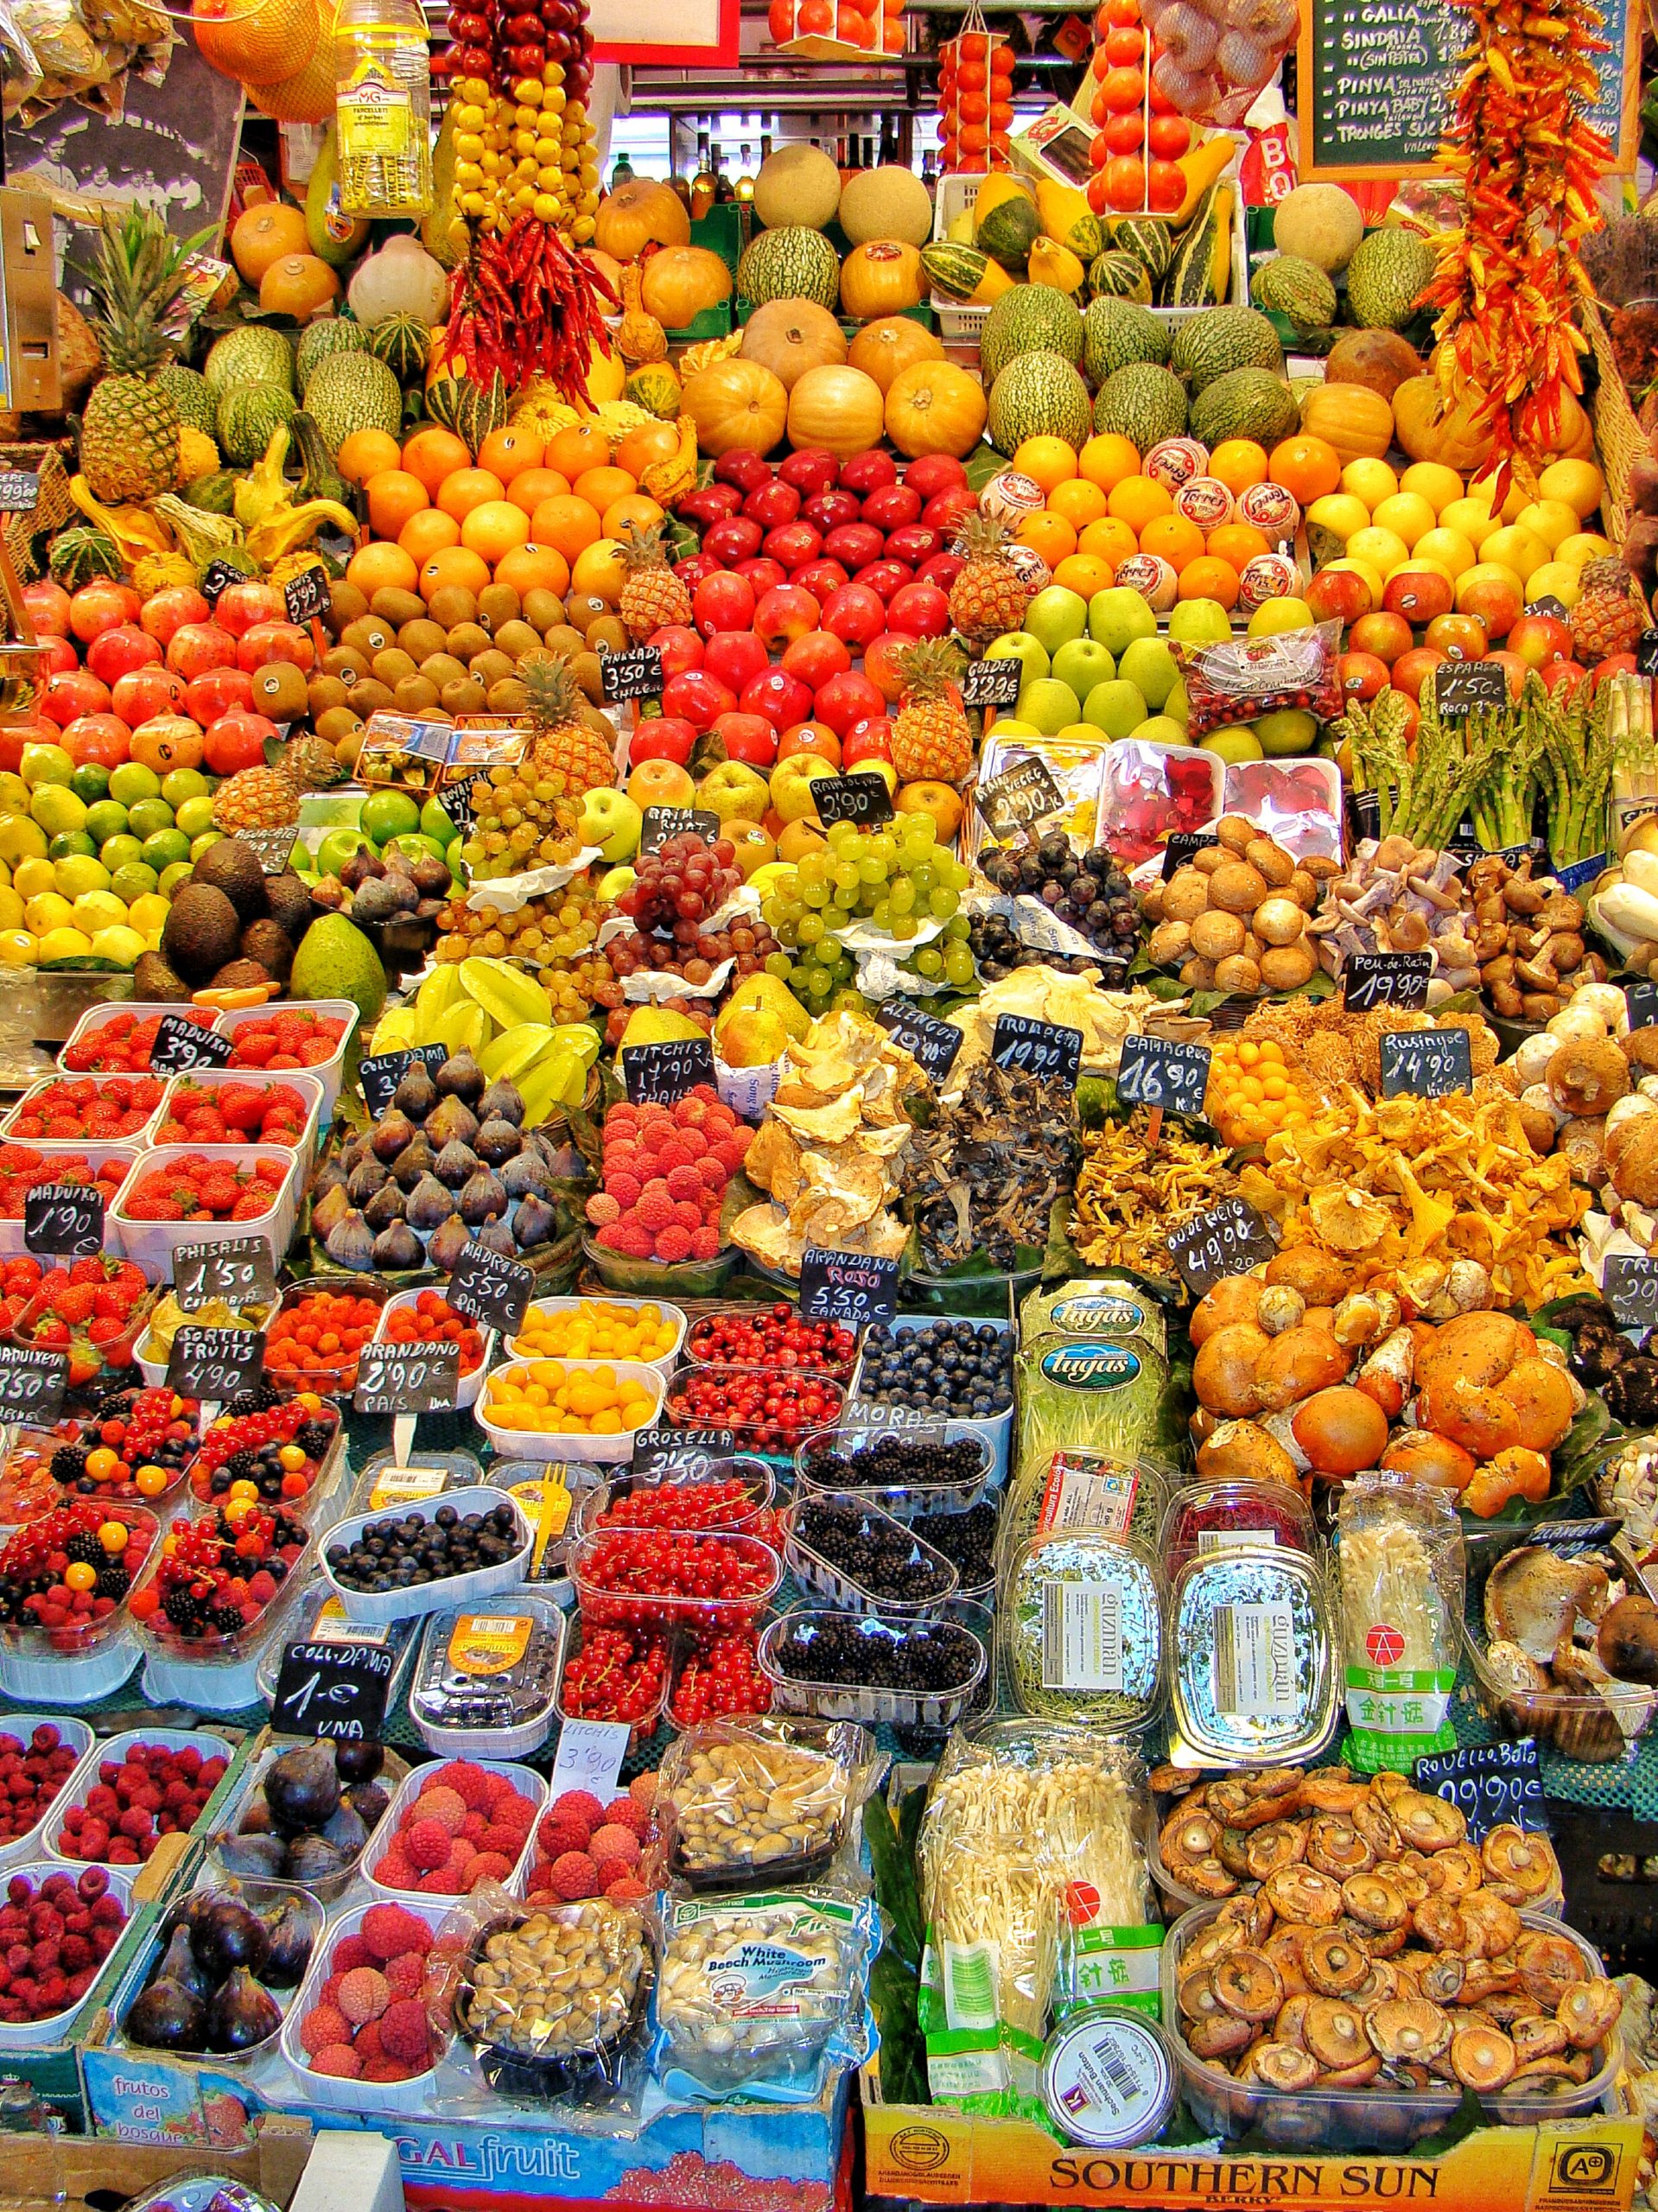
(1401, 1572)
(1082, 1628)
(554, 2001)
(1215, 55)
(771, 1797)
(1249, 676)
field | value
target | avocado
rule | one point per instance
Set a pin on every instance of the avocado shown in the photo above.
(289, 900)
(155, 982)
(241, 976)
(203, 931)
(267, 943)
(233, 868)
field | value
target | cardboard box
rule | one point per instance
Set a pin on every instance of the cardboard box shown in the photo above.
(70, 2175)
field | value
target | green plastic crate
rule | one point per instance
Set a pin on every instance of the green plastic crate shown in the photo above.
(721, 230)
(712, 322)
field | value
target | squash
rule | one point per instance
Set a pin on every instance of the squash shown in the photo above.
(639, 213)
(839, 410)
(739, 404)
(1379, 359)
(882, 278)
(893, 342)
(640, 336)
(681, 281)
(791, 336)
(934, 407)
(1357, 421)
(1429, 431)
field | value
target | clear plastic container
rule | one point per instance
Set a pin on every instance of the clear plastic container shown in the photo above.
(221, 1675)
(771, 1798)
(1599, 1726)
(777, 1439)
(247, 1794)
(753, 1989)
(338, 1379)
(111, 1751)
(472, 1379)
(797, 1687)
(1252, 1644)
(319, 1501)
(814, 1570)
(125, 1156)
(569, 1443)
(527, 1783)
(664, 1362)
(661, 1609)
(89, 1364)
(129, 1012)
(1202, 1518)
(331, 1072)
(696, 1356)
(644, 1724)
(416, 1599)
(569, 2045)
(259, 1897)
(851, 1451)
(550, 1491)
(75, 1665)
(997, 1431)
(151, 1243)
(335, 2091)
(1148, 791)
(754, 1516)
(319, 1617)
(30, 1488)
(388, 1482)
(1081, 1622)
(486, 1681)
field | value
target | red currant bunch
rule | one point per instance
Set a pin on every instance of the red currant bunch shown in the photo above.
(774, 1338)
(770, 1410)
(719, 1677)
(617, 1674)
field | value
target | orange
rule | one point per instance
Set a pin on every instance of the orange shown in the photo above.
(1237, 542)
(1077, 500)
(509, 452)
(394, 497)
(583, 446)
(1050, 535)
(601, 487)
(1109, 539)
(635, 508)
(1085, 573)
(463, 489)
(651, 441)
(1047, 461)
(300, 284)
(1138, 500)
(1173, 539)
(494, 529)
(1106, 459)
(263, 234)
(428, 532)
(434, 453)
(365, 454)
(381, 568)
(598, 569)
(1208, 578)
(565, 523)
(534, 567)
(529, 490)
(259, 45)
(453, 564)
(1308, 466)
(1238, 462)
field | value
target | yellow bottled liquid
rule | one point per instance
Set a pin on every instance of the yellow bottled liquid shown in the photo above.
(383, 108)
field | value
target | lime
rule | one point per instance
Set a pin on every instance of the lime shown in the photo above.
(118, 852)
(79, 873)
(205, 842)
(106, 818)
(117, 942)
(182, 784)
(172, 877)
(55, 807)
(18, 949)
(133, 781)
(64, 944)
(69, 844)
(91, 781)
(194, 815)
(51, 910)
(386, 814)
(165, 847)
(434, 822)
(45, 764)
(133, 880)
(336, 848)
(149, 816)
(20, 839)
(31, 877)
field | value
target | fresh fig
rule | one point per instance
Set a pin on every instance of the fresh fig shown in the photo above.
(350, 1243)
(313, 1858)
(302, 1789)
(416, 1094)
(413, 1162)
(228, 1934)
(451, 1118)
(502, 1101)
(482, 1200)
(384, 1207)
(497, 1143)
(358, 1763)
(460, 1077)
(429, 1205)
(456, 1164)
(524, 1172)
(242, 2013)
(496, 1236)
(332, 1206)
(369, 1801)
(290, 1945)
(365, 1178)
(533, 1223)
(447, 1243)
(391, 1134)
(347, 1831)
(260, 1856)
(164, 2016)
(329, 1176)
(397, 1248)
(180, 1967)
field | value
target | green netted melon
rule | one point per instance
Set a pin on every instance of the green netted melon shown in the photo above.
(1116, 332)
(79, 552)
(1119, 275)
(352, 391)
(1038, 396)
(1245, 403)
(192, 394)
(248, 413)
(1298, 290)
(254, 355)
(1220, 339)
(1142, 401)
(793, 264)
(1385, 277)
(403, 342)
(332, 334)
(1029, 319)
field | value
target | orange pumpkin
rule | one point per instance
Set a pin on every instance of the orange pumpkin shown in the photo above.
(840, 409)
(881, 279)
(791, 336)
(893, 342)
(681, 281)
(737, 402)
(638, 213)
(934, 407)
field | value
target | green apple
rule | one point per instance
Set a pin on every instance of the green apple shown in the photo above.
(1049, 704)
(1239, 743)
(1118, 707)
(610, 820)
(1162, 729)
(612, 883)
(1025, 650)
(1054, 617)
(1291, 730)
(1117, 617)
(1149, 664)
(1178, 705)
(1200, 622)
(1082, 662)
(791, 787)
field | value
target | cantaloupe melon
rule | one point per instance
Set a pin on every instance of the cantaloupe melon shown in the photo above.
(1319, 223)
(797, 185)
(886, 203)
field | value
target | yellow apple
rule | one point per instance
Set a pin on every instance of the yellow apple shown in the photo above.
(735, 791)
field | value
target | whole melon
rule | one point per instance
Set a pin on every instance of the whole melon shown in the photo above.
(192, 394)
(1212, 344)
(1142, 401)
(1038, 396)
(255, 353)
(1116, 332)
(331, 333)
(1385, 277)
(889, 202)
(797, 185)
(1029, 319)
(352, 391)
(1378, 359)
(1244, 404)
(1297, 289)
(248, 413)
(1319, 223)
(791, 264)
(1428, 430)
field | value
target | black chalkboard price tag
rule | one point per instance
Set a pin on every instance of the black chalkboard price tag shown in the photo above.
(337, 1691)
(493, 1290)
(1179, 847)
(307, 596)
(658, 1074)
(182, 1045)
(664, 1450)
(64, 1221)
(458, 798)
(1162, 1072)
(1459, 686)
(236, 1270)
(1425, 1062)
(1554, 608)
(994, 683)
(274, 847)
(635, 674)
(661, 823)
(384, 1071)
(217, 578)
(1229, 1239)
(1025, 794)
(1386, 979)
(1642, 999)
(407, 1378)
(1041, 1048)
(862, 797)
(20, 491)
(1646, 652)
(851, 1287)
(32, 1385)
(216, 1363)
(1491, 1783)
(1629, 1283)
(934, 1043)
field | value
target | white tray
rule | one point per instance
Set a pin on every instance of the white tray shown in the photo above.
(100, 1015)
(997, 1432)
(334, 2091)
(137, 1138)
(22, 1848)
(376, 1605)
(484, 1743)
(309, 1087)
(524, 1780)
(79, 1678)
(470, 1384)
(152, 1243)
(329, 1073)
(598, 1450)
(12, 1246)
(115, 1749)
(664, 1365)
(35, 2034)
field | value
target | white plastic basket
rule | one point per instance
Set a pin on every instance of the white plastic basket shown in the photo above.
(330, 1073)
(378, 1605)
(21, 1849)
(570, 1444)
(115, 1749)
(152, 1243)
(12, 1244)
(100, 1015)
(524, 1780)
(310, 1088)
(35, 2035)
(333, 2092)
(470, 1385)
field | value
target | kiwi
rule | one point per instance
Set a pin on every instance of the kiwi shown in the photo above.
(582, 608)
(393, 664)
(467, 638)
(421, 639)
(442, 668)
(542, 609)
(323, 692)
(280, 691)
(464, 696)
(397, 607)
(560, 637)
(335, 722)
(496, 603)
(517, 637)
(371, 694)
(454, 603)
(347, 747)
(511, 695)
(490, 667)
(368, 636)
(345, 661)
(415, 695)
(608, 634)
(584, 666)
(345, 603)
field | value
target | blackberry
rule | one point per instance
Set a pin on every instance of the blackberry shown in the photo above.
(243, 1466)
(113, 1582)
(85, 1550)
(69, 1463)
(314, 1438)
(253, 1402)
(185, 1609)
(226, 1618)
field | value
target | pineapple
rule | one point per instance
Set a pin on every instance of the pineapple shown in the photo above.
(931, 742)
(268, 798)
(653, 595)
(129, 427)
(1609, 618)
(565, 746)
(988, 598)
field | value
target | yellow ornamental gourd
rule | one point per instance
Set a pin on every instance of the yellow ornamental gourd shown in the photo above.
(841, 410)
(681, 282)
(640, 336)
(881, 279)
(1056, 264)
(1357, 422)
(934, 407)
(1067, 217)
(639, 213)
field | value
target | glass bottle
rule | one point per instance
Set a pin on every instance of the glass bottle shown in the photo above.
(703, 183)
(383, 108)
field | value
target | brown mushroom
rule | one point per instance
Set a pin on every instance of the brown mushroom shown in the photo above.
(1627, 1644)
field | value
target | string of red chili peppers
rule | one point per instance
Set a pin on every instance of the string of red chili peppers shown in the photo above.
(526, 301)
(1508, 279)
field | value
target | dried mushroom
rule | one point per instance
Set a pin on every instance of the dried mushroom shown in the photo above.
(983, 1173)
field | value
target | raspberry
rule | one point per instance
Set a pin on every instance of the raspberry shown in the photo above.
(362, 1995)
(350, 1951)
(602, 1209)
(426, 1844)
(389, 1931)
(572, 1875)
(394, 1871)
(673, 1242)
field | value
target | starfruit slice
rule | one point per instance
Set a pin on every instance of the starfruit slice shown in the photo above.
(441, 990)
(556, 1081)
(506, 995)
(515, 1051)
(463, 1028)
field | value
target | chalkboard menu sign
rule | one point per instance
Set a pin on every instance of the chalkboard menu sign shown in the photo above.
(1376, 80)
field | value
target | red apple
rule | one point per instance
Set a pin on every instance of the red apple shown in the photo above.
(1337, 596)
(1361, 675)
(880, 662)
(868, 472)
(195, 647)
(1412, 670)
(742, 466)
(892, 506)
(1539, 639)
(815, 739)
(102, 605)
(811, 470)
(1386, 635)
(945, 509)
(817, 657)
(828, 511)
(661, 737)
(855, 614)
(236, 740)
(679, 647)
(75, 693)
(763, 575)
(698, 697)
(856, 544)
(97, 740)
(710, 503)
(1459, 637)
(820, 578)
(747, 737)
(794, 543)
(782, 698)
(845, 700)
(239, 607)
(915, 542)
(783, 613)
(737, 538)
(869, 740)
(48, 605)
(735, 656)
(1418, 594)
(942, 570)
(1514, 669)
(1497, 602)
(146, 692)
(1614, 664)
(692, 569)
(218, 693)
(919, 610)
(1562, 674)
(885, 578)
(267, 641)
(772, 504)
(722, 602)
(165, 611)
(932, 473)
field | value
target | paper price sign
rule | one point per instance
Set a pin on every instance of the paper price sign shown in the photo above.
(1039, 1048)
(182, 1045)
(32, 1385)
(333, 1690)
(1160, 1072)
(661, 822)
(307, 596)
(656, 1075)
(1386, 979)
(64, 1221)
(993, 683)
(216, 1363)
(861, 797)
(384, 1071)
(1425, 1062)
(406, 1378)
(494, 1290)
(1025, 794)
(589, 1757)
(934, 1043)
(1179, 847)
(1629, 1283)
(852, 1288)
(239, 1271)
(1491, 1783)
(635, 674)
(274, 847)
(664, 1450)
(1227, 1240)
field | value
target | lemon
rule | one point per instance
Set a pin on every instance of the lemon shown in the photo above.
(31, 877)
(65, 944)
(11, 909)
(18, 949)
(80, 872)
(99, 910)
(120, 945)
(1551, 520)
(149, 912)
(45, 764)
(57, 810)
(51, 910)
